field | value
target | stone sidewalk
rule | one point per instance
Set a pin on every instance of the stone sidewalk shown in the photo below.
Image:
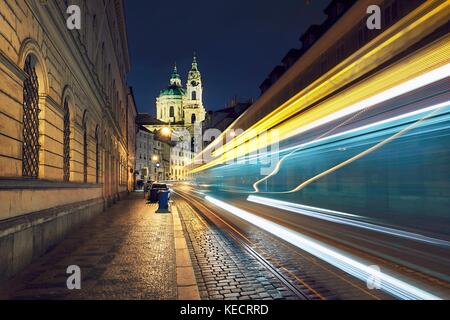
(127, 252)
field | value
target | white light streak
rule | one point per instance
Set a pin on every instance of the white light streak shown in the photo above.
(333, 216)
(388, 283)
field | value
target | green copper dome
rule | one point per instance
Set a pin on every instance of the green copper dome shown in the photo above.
(172, 91)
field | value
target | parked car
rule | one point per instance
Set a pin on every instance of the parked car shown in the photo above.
(148, 185)
(156, 187)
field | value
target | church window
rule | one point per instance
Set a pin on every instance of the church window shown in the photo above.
(193, 118)
(171, 112)
(194, 95)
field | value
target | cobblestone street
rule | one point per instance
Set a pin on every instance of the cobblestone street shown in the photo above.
(223, 269)
(127, 252)
(130, 252)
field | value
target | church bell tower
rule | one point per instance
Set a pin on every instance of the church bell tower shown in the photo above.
(194, 110)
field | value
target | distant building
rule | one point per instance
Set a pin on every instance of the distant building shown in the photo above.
(145, 153)
(220, 120)
(180, 111)
(153, 154)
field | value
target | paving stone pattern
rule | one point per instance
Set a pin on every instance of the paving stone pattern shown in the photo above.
(127, 252)
(224, 270)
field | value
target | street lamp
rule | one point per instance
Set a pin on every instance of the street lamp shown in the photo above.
(165, 131)
(155, 158)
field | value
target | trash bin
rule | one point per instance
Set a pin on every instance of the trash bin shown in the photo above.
(152, 196)
(163, 202)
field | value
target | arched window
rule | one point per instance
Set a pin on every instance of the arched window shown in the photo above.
(171, 112)
(97, 158)
(193, 118)
(194, 95)
(30, 146)
(66, 142)
(85, 149)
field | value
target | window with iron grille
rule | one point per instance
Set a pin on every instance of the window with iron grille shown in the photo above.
(120, 170)
(97, 159)
(30, 146)
(66, 142)
(85, 150)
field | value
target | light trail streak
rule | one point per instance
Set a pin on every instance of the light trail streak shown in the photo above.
(319, 88)
(404, 33)
(433, 110)
(343, 218)
(355, 130)
(330, 255)
(360, 155)
(385, 86)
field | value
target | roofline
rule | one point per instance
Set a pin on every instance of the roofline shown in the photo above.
(131, 93)
(120, 11)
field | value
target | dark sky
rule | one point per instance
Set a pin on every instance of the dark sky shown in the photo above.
(238, 42)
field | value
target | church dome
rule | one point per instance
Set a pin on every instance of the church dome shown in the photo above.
(175, 88)
(172, 91)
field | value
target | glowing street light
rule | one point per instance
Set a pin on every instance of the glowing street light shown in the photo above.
(165, 131)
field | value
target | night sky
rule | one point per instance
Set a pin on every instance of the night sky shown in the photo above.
(237, 42)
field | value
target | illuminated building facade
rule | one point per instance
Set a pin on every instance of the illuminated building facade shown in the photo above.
(67, 133)
(181, 112)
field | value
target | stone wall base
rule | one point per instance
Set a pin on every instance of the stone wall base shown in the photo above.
(25, 238)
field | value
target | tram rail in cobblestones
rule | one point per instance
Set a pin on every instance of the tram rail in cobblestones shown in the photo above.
(244, 242)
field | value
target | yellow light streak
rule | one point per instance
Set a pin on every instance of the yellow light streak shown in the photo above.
(345, 71)
(426, 60)
(279, 163)
(424, 19)
(360, 155)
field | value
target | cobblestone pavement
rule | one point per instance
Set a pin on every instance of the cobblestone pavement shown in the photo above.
(224, 270)
(127, 252)
(316, 279)
(307, 272)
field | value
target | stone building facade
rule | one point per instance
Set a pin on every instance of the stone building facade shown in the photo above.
(67, 126)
